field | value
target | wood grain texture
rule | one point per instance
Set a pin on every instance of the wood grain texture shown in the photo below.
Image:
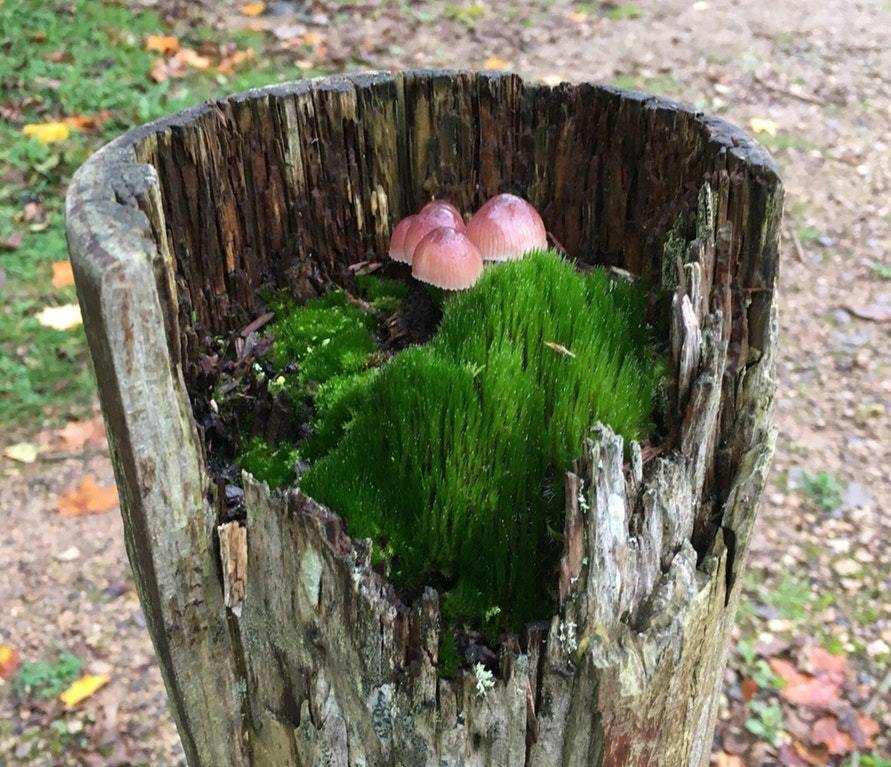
(174, 228)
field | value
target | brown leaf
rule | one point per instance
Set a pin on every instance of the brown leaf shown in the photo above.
(749, 688)
(63, 276)
(13, 242)
(88, 122)
(872, 312)
(789, 758)
(806, 690)
(723, 759)
(823, 661)
(87, 498)
(75, 435)
(34, 212)
(164, 44)
(825, 732)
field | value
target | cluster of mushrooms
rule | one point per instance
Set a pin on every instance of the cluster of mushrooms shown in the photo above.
(442, 251)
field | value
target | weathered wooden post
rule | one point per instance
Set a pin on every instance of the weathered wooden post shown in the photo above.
(278, 643)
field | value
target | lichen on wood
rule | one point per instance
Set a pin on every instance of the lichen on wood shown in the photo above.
(173, 230)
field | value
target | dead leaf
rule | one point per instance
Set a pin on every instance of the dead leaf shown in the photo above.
(13, 242)
(47, 133)
(813, 755)
(178, 65)
(559, 348)
(228, 64)
(312, 39)
(23, 452)
(88, 122)
(75, 435)
(749, 688)
(803, 689)
(824, 662)
(34, 212)
(253, 9)
(872, 312)
(493, 63)
(87, 498)
(789, 757)
(164, 44)
(723, 759)
(10, 660)
(763, 125)
(63, 317)
(63, 276)
(825, 732)
(82, 689)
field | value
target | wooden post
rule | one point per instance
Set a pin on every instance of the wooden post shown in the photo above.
(278, 643)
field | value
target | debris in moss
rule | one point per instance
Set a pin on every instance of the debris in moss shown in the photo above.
(454, 449)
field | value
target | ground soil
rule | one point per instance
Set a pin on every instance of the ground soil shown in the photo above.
(817, 72)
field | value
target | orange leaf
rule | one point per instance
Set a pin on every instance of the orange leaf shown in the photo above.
(749, 688)
(9, 661)
(164, 44)
(723, 759)
(62, 274)
(87, 498)
(494, 63)
(228, 64)
(814, 692)
(312, 39)
(191, 58)
(83, 688)
(825, 662)
(825, 732)
(786, 671)
(253, 9)
(74, 435)
(816, 756)
(87, 122)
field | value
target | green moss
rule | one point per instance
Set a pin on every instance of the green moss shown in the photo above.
(385, 296)
(337, 402)
(455, 451)
(447, 659)
(273, 464)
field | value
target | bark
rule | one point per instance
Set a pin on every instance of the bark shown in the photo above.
(278, 643)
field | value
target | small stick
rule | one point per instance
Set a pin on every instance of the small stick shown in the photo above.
(796, 243)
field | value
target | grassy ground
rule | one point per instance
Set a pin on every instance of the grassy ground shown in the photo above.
(85, 61)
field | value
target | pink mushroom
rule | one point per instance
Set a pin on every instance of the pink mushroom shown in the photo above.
(447, 259)
(432, 217)
(459, 219)
(397, 239)
(506, 227)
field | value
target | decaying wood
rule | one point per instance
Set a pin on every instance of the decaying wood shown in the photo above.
(175, 227)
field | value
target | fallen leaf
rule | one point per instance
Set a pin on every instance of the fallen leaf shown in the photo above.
(790, 757)
(165, 44)
(9, 661)
(63, 317)
(228, 64)
(13, 242)
(74, 435)
(88, 122)
(493, 63)
(63, 276)
(23, 452)
(825, 732)
(82, 689)
(178, 65)
(34, 211)
(312, 39)
(87, 498)
(723, 759)
(559, 348)
(192, 58)
(804, 689)
(47, 133)
(824, 662)
(872, 312)
(813, 755)
(763, 125)
(749, 688)
(253, 9)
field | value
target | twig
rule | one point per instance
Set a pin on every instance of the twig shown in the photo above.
(796, 243)
(791, 94)
(880, 693)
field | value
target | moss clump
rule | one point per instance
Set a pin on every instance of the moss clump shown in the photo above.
(454, 452)
(273, 464)
(326, 337)
(386, 296)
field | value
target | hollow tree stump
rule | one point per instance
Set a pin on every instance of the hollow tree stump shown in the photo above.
(278, 643)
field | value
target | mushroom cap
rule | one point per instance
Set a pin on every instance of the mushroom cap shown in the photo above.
(441, 203)
(506, 227)
(397, 239)
(424, 223)
(447, 259)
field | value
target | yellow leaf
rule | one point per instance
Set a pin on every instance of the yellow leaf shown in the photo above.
(23, 452)
(494, 63)
(62, 274)
(165, 44)
(47, 133)
(83, 688)
(253, 9)
(192, 58)
(60, 317)
(9, 661)
(763, 125)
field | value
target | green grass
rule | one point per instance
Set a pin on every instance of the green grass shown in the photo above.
(822, 489)
(622, 12)
(61, 59)
(44, 680)
(453, 457)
